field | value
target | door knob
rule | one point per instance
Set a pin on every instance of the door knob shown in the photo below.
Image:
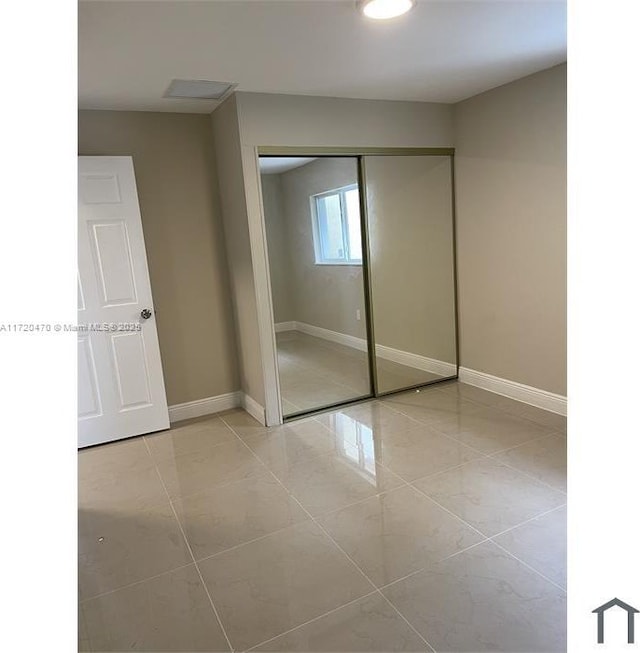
(145, 313)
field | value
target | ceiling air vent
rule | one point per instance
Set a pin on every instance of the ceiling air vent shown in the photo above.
(198, 89)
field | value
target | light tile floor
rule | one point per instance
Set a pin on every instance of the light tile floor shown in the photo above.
(430, 521)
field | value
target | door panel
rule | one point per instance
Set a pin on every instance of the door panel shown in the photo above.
(99, 189)
(88, 396)
(131, 370)
(120, 384)
(110, 241)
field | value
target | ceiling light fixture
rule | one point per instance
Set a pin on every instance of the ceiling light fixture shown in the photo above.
(383, 9)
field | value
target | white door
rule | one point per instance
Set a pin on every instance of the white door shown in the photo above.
(120, 384)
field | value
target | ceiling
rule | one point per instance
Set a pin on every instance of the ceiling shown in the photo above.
(441, 51)
(274, 165)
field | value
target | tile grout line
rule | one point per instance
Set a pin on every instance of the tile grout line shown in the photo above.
(186, 541)
(528, 566)
(481, 455)
(532, 477)
(484, 457)
(310, 621)
(476, 529)
(526, 521)
(137, 582)
(504, 410)
(433, 562)
(402, 486)
(255, 539)
(490, 538)
(331, 539)
(466, 523)
(434, 425)
(410, 484)
(406, 621)
(405, 484)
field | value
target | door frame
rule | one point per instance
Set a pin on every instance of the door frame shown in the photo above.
(262, 275)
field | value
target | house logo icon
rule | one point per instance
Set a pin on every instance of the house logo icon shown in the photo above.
(631, 613)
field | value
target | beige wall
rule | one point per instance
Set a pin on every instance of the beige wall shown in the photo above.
(300, 120)
(411, 241)
(511, 215)
(236, 228)
(279, 250)
(176, 179)
(326, 296)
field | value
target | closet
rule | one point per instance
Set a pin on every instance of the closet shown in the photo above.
(361, 262)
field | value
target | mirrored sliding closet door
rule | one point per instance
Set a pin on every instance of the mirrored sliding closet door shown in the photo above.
(411, 240)
(314, 240)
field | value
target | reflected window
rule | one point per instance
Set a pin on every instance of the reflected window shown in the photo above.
(355, 443)
(336, 227)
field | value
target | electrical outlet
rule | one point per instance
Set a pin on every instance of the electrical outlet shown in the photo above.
(357, 314)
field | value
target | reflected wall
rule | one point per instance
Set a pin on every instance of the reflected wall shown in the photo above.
(313, 228)
(411, 237)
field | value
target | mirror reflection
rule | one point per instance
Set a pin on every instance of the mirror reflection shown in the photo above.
(313, 228)
(410, 221)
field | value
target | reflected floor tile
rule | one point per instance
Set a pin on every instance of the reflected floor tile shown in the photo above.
(483, 600)
(490, 430)
(116, 548)
(333, 481)
(236, 513)
(541, 543)
(189, 438)
(266, 587)
(241, 422)
(369, 624)
(285, 446)
(490, 496)
(288, 408)
(422, 451)
(194, 472)
(168, 613)
(544, 459)
(394, 376)
(367, 420)
(323, 393)
(397, 533)
(316, 373)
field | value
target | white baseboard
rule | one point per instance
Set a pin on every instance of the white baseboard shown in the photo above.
(518, 391)
(212, 405)
(253, 408)
(206, 406)
(415, 361)
(387, 353)
(333, 336)
(285, 326)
